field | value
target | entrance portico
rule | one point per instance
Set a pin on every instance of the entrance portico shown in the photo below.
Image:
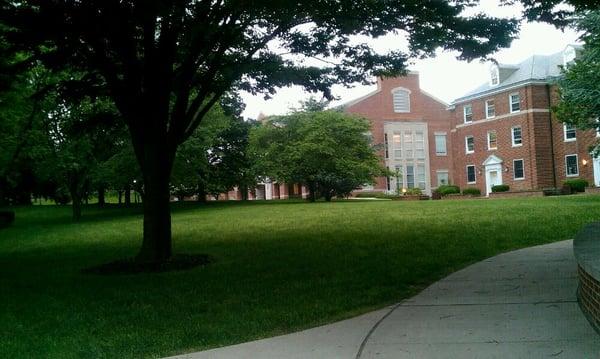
(493, 173)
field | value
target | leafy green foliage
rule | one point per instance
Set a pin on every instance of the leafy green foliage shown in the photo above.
(414, 191)
(472, 191)
(448, 189)
(580, 85)
(500, 188)
(577, 184)
(327, 151)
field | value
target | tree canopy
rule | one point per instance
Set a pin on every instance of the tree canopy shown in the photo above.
(165, 63)
(328, 151)
(579, 88)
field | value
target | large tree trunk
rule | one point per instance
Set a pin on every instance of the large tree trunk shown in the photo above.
(201, 192)
(127, 195)
(120, 196)
(101, 199)
(156, 246)
(312, 191)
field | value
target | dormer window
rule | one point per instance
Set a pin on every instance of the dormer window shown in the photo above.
(494, 76)
(401, 100)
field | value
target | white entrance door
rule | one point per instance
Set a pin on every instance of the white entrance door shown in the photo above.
(597, 171)
(493, 177)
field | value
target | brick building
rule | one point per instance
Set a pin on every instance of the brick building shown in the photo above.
(503, 132)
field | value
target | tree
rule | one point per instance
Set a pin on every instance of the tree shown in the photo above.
(579, 87)
(166, 63)
(328, 151)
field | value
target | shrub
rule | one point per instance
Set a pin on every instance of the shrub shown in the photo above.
(577, 184)
(375, 195)
(6, 218)
(414, 191)
(448, 189)
(500, 188)
(472, 191)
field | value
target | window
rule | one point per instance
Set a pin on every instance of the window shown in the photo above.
(571, 165)
(440, 145)
(515, 102)
(410, 176)
(386, 145)
(469, 144)
(494, 76)
(419, 145)
(397, 145)
(388, 185)
(442, 178)
(408, 144)
(492, 140)
(517, 139)
(471, 174)
(468, 113)
(421, 176)
(401, 100)
(518, 169)
(570, 133)
(490, 109)
(399, 177)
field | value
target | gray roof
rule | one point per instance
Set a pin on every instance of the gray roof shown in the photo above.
(535, 68)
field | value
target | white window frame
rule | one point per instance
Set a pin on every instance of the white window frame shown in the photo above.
(511, 103)
(567, 165)
(565, 133)
(437, 176)
(435, 136)
(470, 106)
(488, 140)
(474, 174)
(487, 106)
(467, 151)
(512, 136)
(494, 73)
(407, 92)
(515, 173)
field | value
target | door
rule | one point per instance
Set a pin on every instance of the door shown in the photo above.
(493, 177)
(597, 171)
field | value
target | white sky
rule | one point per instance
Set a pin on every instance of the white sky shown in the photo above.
(443, 76)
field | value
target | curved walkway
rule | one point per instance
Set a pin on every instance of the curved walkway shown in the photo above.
(520, 304)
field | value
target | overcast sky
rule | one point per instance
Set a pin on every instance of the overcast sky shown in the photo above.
(443, 76)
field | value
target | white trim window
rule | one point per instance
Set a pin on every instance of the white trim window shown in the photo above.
(471, 176)
(440, 144)
(469, 144)
(468, 113)
(419, 144)
(514, 99)
(492, 140)
(569, 132)
(397, 139)
(408, 144)
(490, 108)
(401, 100)
(494, 75)
(518, 169)
(442, 177)
(571, 165)
(517, 136)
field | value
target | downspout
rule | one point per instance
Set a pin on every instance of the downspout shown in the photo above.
(551, 135)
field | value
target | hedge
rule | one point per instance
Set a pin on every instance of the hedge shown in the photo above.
(500, 188)
(473, 191)
(447, 189)
(577, 184)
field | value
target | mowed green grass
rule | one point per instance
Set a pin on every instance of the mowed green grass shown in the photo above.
(279, 267)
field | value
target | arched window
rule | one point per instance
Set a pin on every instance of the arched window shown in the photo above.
(401, 99)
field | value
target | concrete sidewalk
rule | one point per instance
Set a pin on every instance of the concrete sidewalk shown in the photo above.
(519, 304)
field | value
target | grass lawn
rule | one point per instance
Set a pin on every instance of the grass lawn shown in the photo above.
(279, 267)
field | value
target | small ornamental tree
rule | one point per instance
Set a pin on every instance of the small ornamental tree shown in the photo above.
(166, 62)
(328, 151)
(579, 87)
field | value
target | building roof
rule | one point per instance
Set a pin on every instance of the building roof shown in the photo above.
(535, 68)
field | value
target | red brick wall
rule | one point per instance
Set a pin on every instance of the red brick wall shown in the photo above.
(378, 108)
